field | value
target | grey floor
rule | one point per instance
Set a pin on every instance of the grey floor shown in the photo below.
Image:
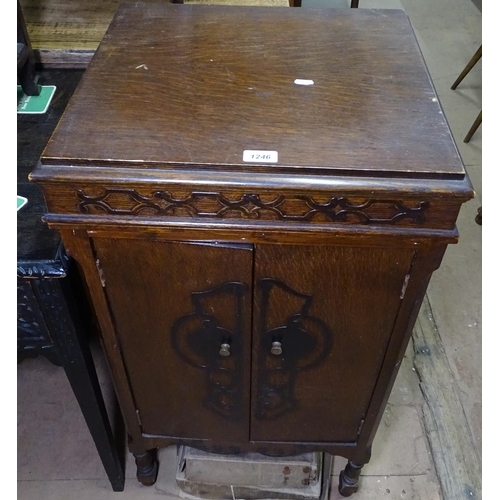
(56, 456)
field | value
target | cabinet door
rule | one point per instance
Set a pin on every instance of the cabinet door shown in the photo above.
(182, 314)
(322, 321)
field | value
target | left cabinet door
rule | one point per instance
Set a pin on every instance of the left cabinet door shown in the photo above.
(182, 313)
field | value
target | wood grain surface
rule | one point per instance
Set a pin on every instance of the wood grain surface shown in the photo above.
(176, 385)
(333, 245)
(169, 86)
(346, 288)
(65, 26)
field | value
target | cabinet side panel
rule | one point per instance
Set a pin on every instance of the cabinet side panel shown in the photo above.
(332, 310)
(174, 305)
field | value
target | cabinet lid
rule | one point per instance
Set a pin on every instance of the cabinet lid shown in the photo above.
(327, 90)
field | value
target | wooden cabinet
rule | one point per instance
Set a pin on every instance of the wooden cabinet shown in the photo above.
(256, 249)
(246, 337)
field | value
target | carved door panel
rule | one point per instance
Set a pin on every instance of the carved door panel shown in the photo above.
(183, 317)
(321, 324)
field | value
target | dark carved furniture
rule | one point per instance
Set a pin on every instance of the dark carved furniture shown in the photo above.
(25, 58)
(256, 248)
(52, 320)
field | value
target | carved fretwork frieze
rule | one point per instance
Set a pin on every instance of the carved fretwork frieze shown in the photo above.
(292, 207)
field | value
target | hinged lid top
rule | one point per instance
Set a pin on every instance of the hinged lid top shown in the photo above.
(345, 91)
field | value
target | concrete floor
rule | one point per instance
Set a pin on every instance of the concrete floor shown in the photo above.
(56, 456)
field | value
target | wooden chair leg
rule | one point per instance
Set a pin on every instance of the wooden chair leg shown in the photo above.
(472, 63)
(474, 127)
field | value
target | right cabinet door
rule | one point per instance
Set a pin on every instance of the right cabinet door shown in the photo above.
(323, 317)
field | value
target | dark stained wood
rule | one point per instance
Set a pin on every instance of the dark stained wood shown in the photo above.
(147, 467)
(336, 332)
(174, 230)
(79, 246)
(372, 107)
(349, 477)
(318, 263)
(173, 313)
(425, 262)
(333, 204)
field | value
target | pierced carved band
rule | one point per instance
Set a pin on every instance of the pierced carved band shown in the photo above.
(295, 208)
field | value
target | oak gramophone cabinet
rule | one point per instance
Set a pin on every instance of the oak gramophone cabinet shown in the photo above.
(256, 198)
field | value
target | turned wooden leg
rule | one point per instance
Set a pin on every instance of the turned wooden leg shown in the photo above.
(147, 467)
(479, 216)
(349, 478)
